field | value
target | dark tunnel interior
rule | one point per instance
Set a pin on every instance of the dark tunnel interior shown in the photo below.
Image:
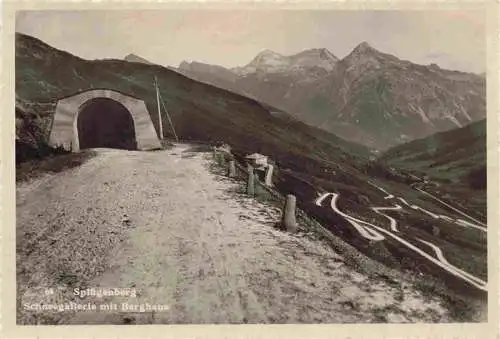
(104, 122)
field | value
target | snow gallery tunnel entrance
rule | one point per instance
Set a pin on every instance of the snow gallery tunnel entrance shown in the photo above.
(104, 122)
(103, 118)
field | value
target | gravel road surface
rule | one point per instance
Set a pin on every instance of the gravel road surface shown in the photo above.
(181, 235)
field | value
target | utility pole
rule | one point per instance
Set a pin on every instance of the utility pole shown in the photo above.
(159, 110)
(169, 120)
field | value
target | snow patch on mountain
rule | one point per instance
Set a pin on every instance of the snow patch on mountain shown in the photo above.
(271, 62)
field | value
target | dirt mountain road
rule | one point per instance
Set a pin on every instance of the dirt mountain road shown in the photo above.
(168, 226)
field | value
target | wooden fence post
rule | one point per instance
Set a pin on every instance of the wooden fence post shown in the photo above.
(288, 221)
(231, 171)
(251, 181)
(269, 175)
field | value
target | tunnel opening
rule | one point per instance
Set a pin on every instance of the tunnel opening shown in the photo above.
(104, 122)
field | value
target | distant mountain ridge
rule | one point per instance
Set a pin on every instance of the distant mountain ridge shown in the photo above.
(359, 96)
(271, 62)
(135, 58)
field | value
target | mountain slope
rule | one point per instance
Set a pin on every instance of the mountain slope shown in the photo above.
(359, 95)
(453, 161)
(198, 111)
(452, 155)
(376, 91)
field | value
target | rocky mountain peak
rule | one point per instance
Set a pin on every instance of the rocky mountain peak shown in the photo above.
(326, 54)
(322, 52)
(184, 65)
(267, 61)
(364, 57)
(135, 58)
(316, 57)
(267, 57)
(364, 48)
(272, 62)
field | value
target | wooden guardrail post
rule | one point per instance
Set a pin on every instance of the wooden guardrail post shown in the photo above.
(288, 221)
(269, 175)
(231, 171)
(251, 181)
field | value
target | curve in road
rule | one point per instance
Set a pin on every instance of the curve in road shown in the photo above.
(459, 222)
(359, 225)
(393, 221)
(374, 232)
(440, 257)
(449, 206)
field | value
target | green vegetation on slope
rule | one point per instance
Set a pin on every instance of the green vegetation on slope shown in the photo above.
(448, 155)
(455, 161)
(199, 112)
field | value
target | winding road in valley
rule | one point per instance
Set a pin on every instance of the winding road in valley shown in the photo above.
(455, 209)
(377, 233)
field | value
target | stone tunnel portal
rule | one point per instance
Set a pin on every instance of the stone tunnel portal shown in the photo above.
(104, 122)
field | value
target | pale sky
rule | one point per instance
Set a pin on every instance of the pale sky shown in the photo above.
(452, 39)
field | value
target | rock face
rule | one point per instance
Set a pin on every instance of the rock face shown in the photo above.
(359, 96)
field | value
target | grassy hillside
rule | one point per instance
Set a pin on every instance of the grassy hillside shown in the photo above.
(448, 155)
(454, 163)
(199, 112)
